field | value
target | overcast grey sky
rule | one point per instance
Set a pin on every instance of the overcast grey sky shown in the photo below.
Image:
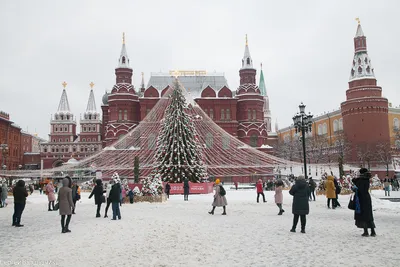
(306, 48)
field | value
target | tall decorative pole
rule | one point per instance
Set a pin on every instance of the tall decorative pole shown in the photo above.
(302, 123)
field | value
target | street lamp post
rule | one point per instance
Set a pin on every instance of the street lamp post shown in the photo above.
(302, 123)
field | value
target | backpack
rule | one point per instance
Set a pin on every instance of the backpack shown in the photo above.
(222, 191)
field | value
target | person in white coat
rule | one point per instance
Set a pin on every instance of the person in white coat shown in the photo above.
(108, 189)
(219, 198)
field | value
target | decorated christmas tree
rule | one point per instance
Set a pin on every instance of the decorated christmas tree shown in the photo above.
(178, 154)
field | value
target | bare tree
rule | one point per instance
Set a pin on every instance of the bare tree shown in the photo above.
(384, 152)
(342, 149)
(365, 154)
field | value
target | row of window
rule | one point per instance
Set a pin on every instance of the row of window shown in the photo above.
(66, 150)
(60, 140)
(224, 115)
(63, 117)
(89, 128)
(122, 115)
(61, 128)
(337, 126)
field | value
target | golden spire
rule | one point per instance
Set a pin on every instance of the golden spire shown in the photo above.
(142, 74)
(64, 84)
(91, 85)
(123, 38)
(358, 20)
(246, 40)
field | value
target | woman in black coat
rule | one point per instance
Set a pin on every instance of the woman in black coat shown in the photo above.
(300, 207)
(98, 196)
(167, 189)
(363, 216)
(20, 195)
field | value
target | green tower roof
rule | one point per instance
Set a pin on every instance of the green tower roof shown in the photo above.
(261, 85)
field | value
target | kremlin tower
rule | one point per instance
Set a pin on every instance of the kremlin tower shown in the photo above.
(121, 107)
(266, 111)
(250, 105)
(365, 111)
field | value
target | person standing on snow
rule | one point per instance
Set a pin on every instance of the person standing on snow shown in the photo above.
(20, 194)
(186, 189)
(98, 196)
(300, 206)
(115, 199)
(108, 189)
(50, 195)
(4, 195)
(338, 189)
(330, 191)
(76, 195)
(260, 190)
(167, 189)
(386, 187)
(312, 186)
(219, 198)
(279, 196)
(66, 205)
(131, 195)
(363, 212)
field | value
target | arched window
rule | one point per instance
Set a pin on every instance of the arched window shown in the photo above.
(396, 123)
(254, 114)
(88, 139)
(248, 61)
(320, 129)
(209, 140)
(83, 139)
(341, 124)
(335, 125)
(228, 114)
(324, 129)
(125, 115)
(249, 114)
(123, 60)
(120, 115)
(253, 140)
(206, 111)
(225, 142)
(211, 113)
(222, 114)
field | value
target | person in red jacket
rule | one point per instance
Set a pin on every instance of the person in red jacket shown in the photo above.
(260, 190)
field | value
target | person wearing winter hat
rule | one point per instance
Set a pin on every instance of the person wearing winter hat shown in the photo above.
(20, 194)
(66, 204)
(279, 196)
(260, 190)
(300, 206)
(115, 199)
(219, 198)
(363, 215)
(98, 196)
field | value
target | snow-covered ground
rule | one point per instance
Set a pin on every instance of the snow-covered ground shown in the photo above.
(179, 233)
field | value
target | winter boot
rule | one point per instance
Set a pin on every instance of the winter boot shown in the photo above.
(373, 234)
(224, 213)
(212, 211)
(280, 212)
(303, 230)
(365, 232)
(293, 230)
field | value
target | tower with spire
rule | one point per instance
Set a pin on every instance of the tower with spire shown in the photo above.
(252, 129)
(90, 126)
(365, 111)
(62, 133)
(121, 108)
(266, 110)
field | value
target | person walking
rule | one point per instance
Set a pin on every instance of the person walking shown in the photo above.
(20, 194)
(40, 189)
(386, 187)
(363, 215)
(131, 195)
(219, 198)
(115, 199)
(66, 205)
(76, 195)
(123, 195)
(4, 195)
(260, 190)
(186, 189)
(312, 186)
(330, 192)
(300, 206)
(236, 185)
(108, 189)
(98, 196)
(50, 195)
(279, 196)
(338, 189)
(167, 189)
